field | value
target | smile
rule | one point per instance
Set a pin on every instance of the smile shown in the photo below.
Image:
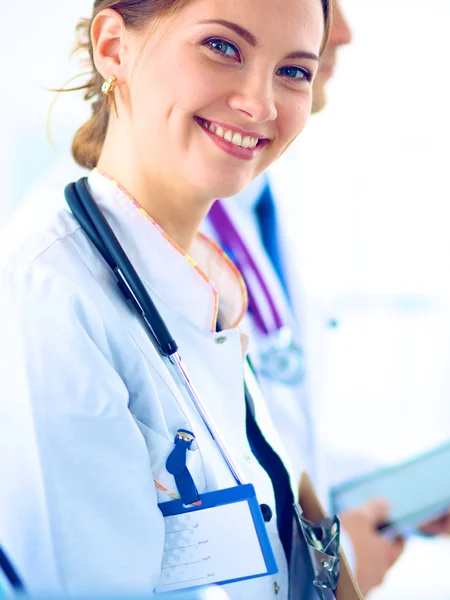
(233, 137)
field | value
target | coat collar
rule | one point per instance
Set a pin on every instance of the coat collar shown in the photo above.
(199, 286)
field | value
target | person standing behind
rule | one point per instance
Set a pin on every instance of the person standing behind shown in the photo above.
(279, 358)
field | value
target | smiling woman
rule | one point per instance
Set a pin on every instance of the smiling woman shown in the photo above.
(181, 64)
(89, 140)
(191, 101)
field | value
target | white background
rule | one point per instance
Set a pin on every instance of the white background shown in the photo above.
(371, 220)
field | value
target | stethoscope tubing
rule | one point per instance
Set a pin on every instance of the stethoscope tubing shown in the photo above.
(11, 574)
(118, 261)
(98, 230)
(264, 310)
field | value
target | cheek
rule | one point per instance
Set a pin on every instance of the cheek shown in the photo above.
(180, 82)
(147, 98)
(156, 82)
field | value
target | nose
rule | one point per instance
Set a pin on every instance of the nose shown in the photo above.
(255, 97)
(340, 33)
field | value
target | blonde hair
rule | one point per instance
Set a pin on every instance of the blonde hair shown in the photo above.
(88, 141)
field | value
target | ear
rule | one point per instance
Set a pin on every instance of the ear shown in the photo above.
(107, 35)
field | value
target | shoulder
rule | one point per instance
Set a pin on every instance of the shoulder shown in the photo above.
(43, 248)
(41, 221)
(46, 267)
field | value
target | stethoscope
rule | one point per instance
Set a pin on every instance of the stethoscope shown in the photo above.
(98, 230)
(12, 577)
(280, 358)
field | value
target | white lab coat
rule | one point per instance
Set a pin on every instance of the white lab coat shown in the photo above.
(88, 409)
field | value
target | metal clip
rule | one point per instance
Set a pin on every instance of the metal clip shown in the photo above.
(323, 539)
(185, 436)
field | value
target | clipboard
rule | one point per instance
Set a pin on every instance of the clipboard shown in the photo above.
(201, 544)
(418, 491)
(347, 588)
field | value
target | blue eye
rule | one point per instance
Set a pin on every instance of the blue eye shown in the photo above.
(296, 73)
(223, 47)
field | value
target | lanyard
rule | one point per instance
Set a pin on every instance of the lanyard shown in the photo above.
(281, 359)
(97, 228)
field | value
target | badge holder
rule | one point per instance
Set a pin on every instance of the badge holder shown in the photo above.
(213, 538)
(322, 539)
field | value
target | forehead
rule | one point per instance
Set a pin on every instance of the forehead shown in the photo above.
(289, 24)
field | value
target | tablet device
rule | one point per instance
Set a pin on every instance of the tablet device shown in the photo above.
(418, 490)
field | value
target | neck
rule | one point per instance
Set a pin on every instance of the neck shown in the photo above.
(168, 201)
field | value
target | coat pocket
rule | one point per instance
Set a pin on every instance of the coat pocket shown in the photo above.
(159, 448)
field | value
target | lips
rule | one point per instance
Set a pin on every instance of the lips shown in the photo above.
(244, 145)
(232, 135)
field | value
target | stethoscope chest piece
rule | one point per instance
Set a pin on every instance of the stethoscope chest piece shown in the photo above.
(282, 360)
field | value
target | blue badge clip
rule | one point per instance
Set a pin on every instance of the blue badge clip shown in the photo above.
(176, 466)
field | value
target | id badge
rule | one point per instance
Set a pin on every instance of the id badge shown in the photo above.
(222, 540)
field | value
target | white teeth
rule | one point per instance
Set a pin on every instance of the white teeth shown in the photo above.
(237, 139)
(234, 138)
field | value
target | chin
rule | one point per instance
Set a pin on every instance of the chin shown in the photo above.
(227, 185)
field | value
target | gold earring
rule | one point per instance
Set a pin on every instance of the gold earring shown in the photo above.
(109, 85)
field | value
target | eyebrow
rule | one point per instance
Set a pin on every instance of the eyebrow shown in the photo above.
(304, 54)
(250, 38)
(244, 33)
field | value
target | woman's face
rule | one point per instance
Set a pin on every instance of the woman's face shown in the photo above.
(221, 89)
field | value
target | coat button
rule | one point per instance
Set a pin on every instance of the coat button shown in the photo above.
(276, 588)
(221, 339)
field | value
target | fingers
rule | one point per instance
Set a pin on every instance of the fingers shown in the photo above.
(439, 526)
(376, 510)
(395, 550)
